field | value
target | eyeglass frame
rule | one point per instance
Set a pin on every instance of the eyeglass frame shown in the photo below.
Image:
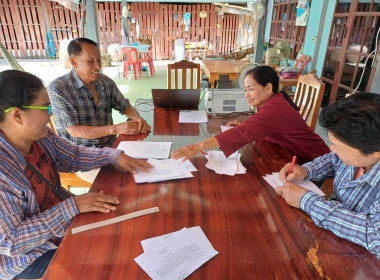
(32, 107)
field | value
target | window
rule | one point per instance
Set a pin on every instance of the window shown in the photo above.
(283, 25)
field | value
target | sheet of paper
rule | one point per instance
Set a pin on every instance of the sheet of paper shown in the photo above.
(145, 150)
(192, 116)
(187, 165)
(167, 169)
(224, 127)
(147, 244)
(220, 164)
(176, 256)
(275, 181)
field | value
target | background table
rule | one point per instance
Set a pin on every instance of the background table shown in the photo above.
(214, 68)
(257, 235)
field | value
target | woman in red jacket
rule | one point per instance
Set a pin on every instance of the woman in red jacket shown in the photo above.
(277, 120)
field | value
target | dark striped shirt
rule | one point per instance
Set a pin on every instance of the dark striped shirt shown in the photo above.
(74, 104)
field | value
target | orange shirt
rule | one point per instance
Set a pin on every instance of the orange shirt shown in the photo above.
(46, 198)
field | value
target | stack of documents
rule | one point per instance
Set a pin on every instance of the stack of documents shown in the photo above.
(192, 116)
(275, 181)
(218, 162)
(145, 150)
(166, 169)
(175, 255)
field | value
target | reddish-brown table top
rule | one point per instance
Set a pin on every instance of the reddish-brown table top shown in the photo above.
(257, 235)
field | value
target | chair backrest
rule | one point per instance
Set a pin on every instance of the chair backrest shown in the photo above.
(69, 179)
(303, 60)
(130, 54)
(184, 65)
(308, 97)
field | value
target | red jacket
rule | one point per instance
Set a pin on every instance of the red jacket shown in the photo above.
(278, 122)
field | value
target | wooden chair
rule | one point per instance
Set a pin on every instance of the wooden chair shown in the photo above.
(308, 97)
(69, 179)
(184, 65)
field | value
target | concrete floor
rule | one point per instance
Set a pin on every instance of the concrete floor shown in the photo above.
(132, 89)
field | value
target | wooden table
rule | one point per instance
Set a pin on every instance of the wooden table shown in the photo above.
(214, 68)
(257, 235)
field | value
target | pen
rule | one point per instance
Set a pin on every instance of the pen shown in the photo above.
(203, 152)
(292, 164)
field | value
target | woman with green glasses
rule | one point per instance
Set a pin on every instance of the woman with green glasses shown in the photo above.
(35, 210)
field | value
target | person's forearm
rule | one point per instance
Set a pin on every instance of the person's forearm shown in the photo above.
(210, 143)
(359, 228)
(131, 113)
(91, 132)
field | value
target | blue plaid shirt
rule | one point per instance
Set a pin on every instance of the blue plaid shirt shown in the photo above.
(74, 104)
(25, 232)
(355, 214)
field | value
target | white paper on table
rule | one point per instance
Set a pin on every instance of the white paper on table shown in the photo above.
(192, 116)
(147, 244)
(275, 181)
(166, 169)
(220, 164)
(145, 150)
(224, 127)
(187, 165)
(176, 257)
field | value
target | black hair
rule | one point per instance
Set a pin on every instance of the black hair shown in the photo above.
(17, 88)
(264, 75)
(355, 121)
(75, 46)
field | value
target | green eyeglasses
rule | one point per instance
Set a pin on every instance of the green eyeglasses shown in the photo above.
(32, 107)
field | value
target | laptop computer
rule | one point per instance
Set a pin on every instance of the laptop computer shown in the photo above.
(176, 97)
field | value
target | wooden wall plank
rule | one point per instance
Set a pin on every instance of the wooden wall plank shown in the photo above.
(36, 27)
(7, 26)
(25, 28)
(12, 25)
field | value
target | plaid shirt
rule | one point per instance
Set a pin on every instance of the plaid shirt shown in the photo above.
(74, 104)
(25, 232)
(355, 214)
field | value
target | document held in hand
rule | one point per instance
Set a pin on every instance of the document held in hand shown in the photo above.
(145, 150)
(175, 255)
(275, 181)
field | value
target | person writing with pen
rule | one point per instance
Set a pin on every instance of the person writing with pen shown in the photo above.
(277, 120)
(353, 213)
(35, 210)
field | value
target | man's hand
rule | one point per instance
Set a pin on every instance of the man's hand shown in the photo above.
(298, 173)
(128, 128)
(292, 193)
(95, 202)
(187, 152)
(127, 163)
(233, 123)
(143, 127)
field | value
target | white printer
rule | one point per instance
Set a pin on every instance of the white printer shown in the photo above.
(224, 101)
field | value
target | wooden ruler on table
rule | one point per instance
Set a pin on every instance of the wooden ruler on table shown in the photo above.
(115, 220)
